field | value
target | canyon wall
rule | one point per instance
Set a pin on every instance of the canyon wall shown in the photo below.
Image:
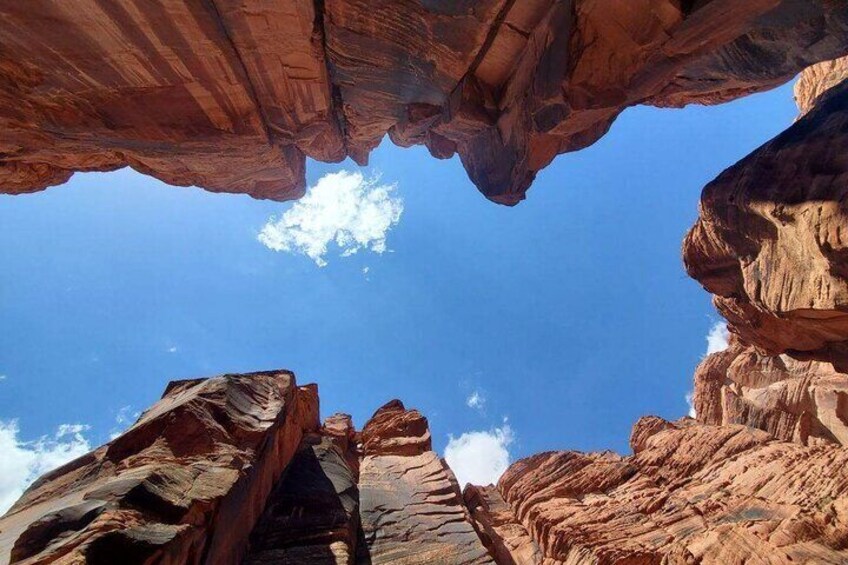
(233, 96)
(237, 469)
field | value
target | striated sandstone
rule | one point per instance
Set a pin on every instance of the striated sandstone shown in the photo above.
(188, 479)
(237, 469)
(691, 494)
(411, 507)
(802, 401)
(233, 95)
(506, 539)
(769, 241)
(818, 79)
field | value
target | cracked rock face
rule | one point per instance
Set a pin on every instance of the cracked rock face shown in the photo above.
(189, 479)
(691, 494)
(232, 96)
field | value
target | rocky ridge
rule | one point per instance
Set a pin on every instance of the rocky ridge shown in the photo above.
(233, 96)
(237, 469)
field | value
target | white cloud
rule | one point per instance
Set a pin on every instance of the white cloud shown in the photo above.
(476, 401)
(480, 458)
(690, 400)
(717, 339)
(343, 207)
(2, 377)
(124, 418)
(23, 462)
(172, 349)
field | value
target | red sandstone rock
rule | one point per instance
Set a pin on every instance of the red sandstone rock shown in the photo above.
(394, 430)
(769, 242)
(803, 401)
(506, 539)
(232, 95)
(188, 480)
(411, 507)
(692, 494)
(818, 79)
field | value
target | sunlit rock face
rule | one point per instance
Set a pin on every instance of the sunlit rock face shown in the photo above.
(818, 79)
(190, 478)
(691, 494)
(801, 401)
(237, 469)
(770, 241)
(233, 96)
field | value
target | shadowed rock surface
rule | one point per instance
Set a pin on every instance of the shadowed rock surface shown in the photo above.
(233, 95)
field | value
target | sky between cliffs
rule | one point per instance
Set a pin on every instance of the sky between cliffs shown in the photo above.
(552, 325)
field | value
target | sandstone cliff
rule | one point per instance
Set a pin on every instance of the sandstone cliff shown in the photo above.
(237, 469)
(233, 96)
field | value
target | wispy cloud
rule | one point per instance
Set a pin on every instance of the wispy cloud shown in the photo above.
(172, 349)
(476, 400)
(124, 418)
(718, 338)
(2, 377)
(346, 208)
(690, 401)
(480, 457)
(23, 462)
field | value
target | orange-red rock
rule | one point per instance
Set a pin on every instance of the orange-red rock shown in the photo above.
(769, 242)
(691, 494)
(189, 479)
(818, 79)
(233, 95)
(803, 401)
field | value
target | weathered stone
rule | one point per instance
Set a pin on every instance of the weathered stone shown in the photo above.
(312, 515)
(188, 479)
(506, 539)
(769, 242)
(232, 95)
(803, 401)
(692, 494)
(818, 79)
(394, 430)
(411, 507)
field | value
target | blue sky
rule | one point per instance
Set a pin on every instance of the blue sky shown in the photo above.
(570, 314)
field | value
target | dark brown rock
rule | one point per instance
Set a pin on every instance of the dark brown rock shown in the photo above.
(312, 515)
(232, 96)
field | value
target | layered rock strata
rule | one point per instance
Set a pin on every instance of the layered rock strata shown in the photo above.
(233, 96)
(236, 469)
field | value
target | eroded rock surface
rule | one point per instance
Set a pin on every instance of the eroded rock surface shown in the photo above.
(233, 96)
(802, 401)
(189, 479)
(237, 469)
(410, 503)
(770, 244)
(691, 494)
